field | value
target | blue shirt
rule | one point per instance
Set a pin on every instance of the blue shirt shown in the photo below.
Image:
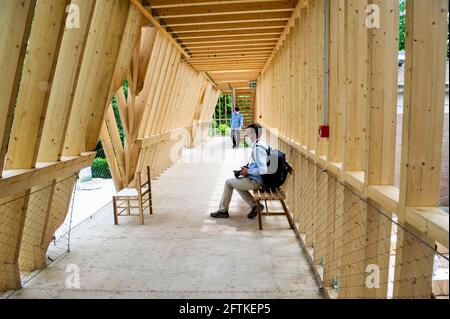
(237, 121)
(258, 165)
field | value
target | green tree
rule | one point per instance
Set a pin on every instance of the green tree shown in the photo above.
(115, 106)
(402, 36)
(224, 108)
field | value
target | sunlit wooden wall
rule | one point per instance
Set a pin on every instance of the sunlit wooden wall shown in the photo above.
(360, 152)
(55, 102)
(166, 99)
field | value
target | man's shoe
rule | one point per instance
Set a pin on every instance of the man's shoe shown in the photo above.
(254, 212)
(219, 214)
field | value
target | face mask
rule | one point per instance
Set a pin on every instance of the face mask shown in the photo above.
(248, 140)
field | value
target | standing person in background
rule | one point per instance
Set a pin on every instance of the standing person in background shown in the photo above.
(236, 124)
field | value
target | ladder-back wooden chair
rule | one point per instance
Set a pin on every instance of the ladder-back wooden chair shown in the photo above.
(273, 194)
(139, 198)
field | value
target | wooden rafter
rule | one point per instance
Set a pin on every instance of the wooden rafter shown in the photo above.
(227, 9)
(225, 35)
(158, 4)
(218, 27)
(237, 18)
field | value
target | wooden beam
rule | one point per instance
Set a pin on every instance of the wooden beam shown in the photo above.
(225, 34)
(15, 26)
(431, 221)
(238, 18)
(241, 49)
(294, 15)
(100, 57)
(383, 60)
(224, 27)
(228, 9)
(203, 56)
(64, 85)
(15, 181)
(158, 4)
(337, 102)
(424, 97)
(233, 44)
(357, 106)
(36, 83)
(231, 39)
(219, 60)
(150, 18)
(230, 66)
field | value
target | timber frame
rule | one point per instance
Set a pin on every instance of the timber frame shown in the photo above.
(164, 63)
(54, 112)
(359, 156)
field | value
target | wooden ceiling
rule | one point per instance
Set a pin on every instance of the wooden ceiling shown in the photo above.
(230, 40)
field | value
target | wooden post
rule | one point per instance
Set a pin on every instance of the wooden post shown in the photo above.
(422, 140)
(354, 215)
(65, 82)
(30, 108)
(91, 97)
(15, 26)
(36, 84)
(382, 57)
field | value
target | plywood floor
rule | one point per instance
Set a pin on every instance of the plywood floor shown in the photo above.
(181, 252)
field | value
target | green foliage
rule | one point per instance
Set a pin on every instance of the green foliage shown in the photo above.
(100, 168)
(402, 35)
(212, 129)
(224, 129)
(125, 89)
(115, 107)
(224, 108)
(245, 144)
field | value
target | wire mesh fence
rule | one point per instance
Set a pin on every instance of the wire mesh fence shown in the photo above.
(356, 248)
(36, 225)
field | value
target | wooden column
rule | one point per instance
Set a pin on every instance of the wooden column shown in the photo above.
(32, 253)
(65, 82)
(354, 214)
(15, 26)
(422, 140)
(91, 95)
(30, 108)
(36, 83)
(336, 114)
(356, 86)
(382, 57)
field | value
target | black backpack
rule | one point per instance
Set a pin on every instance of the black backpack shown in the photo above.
(277, 168)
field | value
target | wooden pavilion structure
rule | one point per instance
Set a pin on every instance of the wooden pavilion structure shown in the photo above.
(317, 63)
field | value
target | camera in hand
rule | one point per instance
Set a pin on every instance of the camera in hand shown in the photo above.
(238, 173)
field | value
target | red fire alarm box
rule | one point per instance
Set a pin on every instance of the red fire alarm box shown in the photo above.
(324, 131)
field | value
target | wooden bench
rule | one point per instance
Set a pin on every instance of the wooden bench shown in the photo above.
(129, 198)
(272, 194)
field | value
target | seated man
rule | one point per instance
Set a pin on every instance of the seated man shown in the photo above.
(251, 175)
